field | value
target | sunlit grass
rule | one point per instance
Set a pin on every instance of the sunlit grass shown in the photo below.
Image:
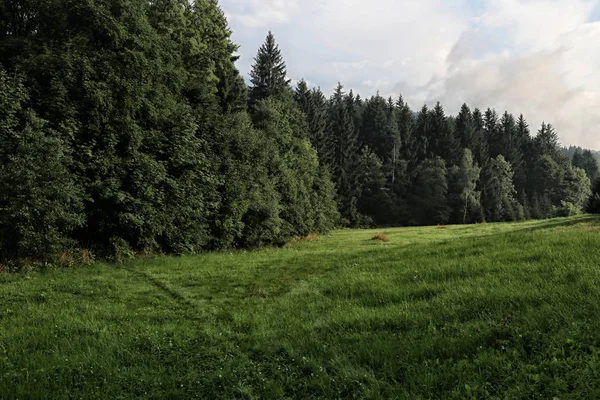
(486, 311)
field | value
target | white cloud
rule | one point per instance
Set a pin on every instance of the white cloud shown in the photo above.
(536, 23)
(261, 13)
(554, 81)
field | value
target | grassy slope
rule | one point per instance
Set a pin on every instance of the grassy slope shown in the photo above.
(497, 310)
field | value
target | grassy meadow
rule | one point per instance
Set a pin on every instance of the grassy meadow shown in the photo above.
(487, 311)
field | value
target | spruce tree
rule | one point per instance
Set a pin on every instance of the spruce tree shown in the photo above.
(511, 149)
(546, 142)
(465, 127)
(586, 161)
(492, 133)
(480, 146)
(269, 72)
(423, 133)
(405, 123)
(373, 200)
(443, 141)
(429, 193)
(523, 140)
(344, 144)
(314, 105)
(379, 132)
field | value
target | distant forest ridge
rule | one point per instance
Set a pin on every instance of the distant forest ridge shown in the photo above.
(571, 150)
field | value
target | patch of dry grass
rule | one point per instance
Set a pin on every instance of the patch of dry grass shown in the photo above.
(381, 237)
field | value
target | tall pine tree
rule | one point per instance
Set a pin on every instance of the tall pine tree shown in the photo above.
(269, 72)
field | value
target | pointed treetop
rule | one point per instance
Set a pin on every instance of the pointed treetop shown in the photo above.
(269, 72)
(339, 91)
(465, 108)
(400, 102)
(302, 86)
(547, 140)
(522, 124)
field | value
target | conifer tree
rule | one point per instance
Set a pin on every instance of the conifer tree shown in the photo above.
(523, 141)
(314, 105)
(344, 144)
(465, 127)
(379, 132)
(480, 148)
(373, 200)
(429, 200)
(423, 131)
(405, 123)
(546, 141)
(511, 149)
(269, 72)
(586, 161)
(442, 141)
(492, 133)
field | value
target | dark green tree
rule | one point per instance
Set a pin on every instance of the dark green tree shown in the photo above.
(492, 133)
(479, 145)
(429, 200)
(40, 200)
(343, 139)
(586, 161)
(498, 199)
(405, 122)
(373, 200)
(443, 141)
(523, 141)
(379, 132)
(546, 142)
(314, 105)
(465, 127)
(269, 72)
(423, 132)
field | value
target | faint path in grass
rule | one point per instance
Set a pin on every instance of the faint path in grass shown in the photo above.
(172, 293)
(483, 311)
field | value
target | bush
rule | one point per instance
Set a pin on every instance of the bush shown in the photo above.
(566, 209)
(593, 206)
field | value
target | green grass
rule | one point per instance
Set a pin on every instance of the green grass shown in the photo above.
(486, 311)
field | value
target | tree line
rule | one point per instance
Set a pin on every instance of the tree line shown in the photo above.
(126, 128)
(393, 166)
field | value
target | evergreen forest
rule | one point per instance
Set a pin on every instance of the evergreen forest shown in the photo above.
(125, 128)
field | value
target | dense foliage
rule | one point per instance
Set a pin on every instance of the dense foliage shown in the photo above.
(392, 166)
(126, 128)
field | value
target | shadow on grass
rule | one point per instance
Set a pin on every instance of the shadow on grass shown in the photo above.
(594, 220)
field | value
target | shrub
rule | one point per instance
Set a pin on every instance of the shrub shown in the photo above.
(566, 209)
(593, 206)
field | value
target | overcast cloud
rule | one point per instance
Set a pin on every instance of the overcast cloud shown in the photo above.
(536, 57)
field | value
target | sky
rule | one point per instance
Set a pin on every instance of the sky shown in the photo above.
(540, 58)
